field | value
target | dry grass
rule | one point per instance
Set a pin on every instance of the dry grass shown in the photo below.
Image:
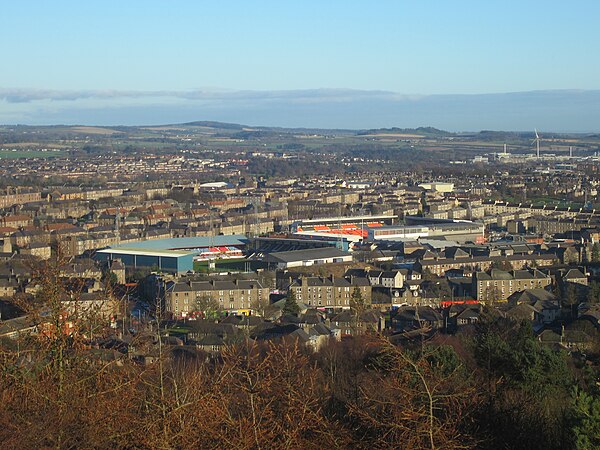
(94, 130)
(164, 128)
(394, 135)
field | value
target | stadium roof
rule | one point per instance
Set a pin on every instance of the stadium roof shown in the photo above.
(345, 219)
(307, 254)
(186, 243)
(141, 252)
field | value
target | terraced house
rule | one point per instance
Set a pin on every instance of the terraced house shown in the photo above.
(440, 265)
(497, 285)
(330, 292)
(237, 296)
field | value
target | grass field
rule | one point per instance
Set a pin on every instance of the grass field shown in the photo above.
(229, 265)
(93, 130)
(10, 154)
(394, 135)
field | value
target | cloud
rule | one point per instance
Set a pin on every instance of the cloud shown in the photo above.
(22, 95)
(25, 95)
(563, 110)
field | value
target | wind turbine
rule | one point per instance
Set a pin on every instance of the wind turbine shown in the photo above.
(537, 143)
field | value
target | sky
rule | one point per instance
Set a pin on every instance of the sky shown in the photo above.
(113, 62)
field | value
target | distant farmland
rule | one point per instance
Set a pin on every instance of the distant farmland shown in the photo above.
(13, 154)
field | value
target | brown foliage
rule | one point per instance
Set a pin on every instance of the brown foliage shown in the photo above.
(56, 391)
(412, 405)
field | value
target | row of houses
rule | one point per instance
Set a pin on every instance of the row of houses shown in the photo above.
(439, 266)
(498, 285)
(237, 296)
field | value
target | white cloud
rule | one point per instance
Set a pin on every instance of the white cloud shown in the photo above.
(23, 95)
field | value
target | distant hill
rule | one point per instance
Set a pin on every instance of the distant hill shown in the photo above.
(213, 124)
(423, 131)
(252, 131)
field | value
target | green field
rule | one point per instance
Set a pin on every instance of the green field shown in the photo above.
(10, 154)
(229, 265)
(178, 330)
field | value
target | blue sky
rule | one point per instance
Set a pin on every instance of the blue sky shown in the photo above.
(64, 56)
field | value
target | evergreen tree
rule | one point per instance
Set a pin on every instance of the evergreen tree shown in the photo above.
(291, 305)
(593, 295)
(596, 252)
(585, 417)
(570, 299)
(357, 302)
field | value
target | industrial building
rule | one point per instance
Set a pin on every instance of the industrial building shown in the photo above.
(352, 229)
(437, 187)
(267, 245)
(172, 261)
(460, 231)
(192, 244)
(309, 257)
(173, 255)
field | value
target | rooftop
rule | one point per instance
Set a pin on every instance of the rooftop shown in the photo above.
(308, 254)
(142, 252)
(186, 243)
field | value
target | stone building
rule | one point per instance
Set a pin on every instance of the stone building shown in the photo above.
(237, 296)
(497, 285)
(330, 292)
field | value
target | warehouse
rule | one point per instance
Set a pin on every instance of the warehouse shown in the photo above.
(308, 257)
(460, 232)
(172, 261)
(193, 244)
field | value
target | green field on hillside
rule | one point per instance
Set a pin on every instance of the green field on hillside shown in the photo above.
(13, 154)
